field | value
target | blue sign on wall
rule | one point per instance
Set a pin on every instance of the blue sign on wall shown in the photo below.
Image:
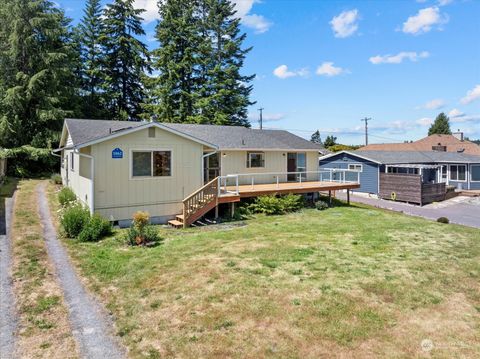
(117, 153)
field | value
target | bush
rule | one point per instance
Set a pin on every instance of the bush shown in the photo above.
(96, 228)
(271, 205)
(321, 205)
(56, 178)
(443, 220)
(66, 196)
(74, 219)
(28, 161)
(141, 233)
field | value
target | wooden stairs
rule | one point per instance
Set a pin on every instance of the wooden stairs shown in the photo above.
(199, 203)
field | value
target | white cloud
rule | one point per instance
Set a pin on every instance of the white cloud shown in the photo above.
(455, 113)
(472, 95)
(256, 22)
(327, 69)
(398, 58)
(426, 121)
(424, 21)
(151, 9)
(434, 104)
(444, 2)
(283, 72)
(345, 24)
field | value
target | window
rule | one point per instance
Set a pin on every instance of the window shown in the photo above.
(72, 163)
(404, 170)
(255, 160)
(355, 167)
(475, 173)
(151, 163)
(458, 173)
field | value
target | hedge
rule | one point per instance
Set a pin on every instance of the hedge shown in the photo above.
(28, 161)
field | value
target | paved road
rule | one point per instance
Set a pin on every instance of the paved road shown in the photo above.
(91, 326)
(8, 317)
(466, 211)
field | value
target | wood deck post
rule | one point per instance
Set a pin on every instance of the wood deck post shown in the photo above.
(330, 198)
(348, 196)
(216, 211)
(232, 209)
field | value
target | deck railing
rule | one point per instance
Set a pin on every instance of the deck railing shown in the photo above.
(199, 199)
(229, 184)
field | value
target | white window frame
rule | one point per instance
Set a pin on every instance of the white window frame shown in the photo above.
(355, 165)
(72, 161)
(249, 159)
(151, 150)
(450, 173)
(471, 173)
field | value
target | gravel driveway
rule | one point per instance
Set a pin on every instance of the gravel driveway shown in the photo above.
(459, 210)
(91, 326)
(8, 323)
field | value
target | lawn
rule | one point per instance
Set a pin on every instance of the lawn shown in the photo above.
(344, 282)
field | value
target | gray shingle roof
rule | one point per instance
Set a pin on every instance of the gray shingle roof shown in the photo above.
(224, 137)
(410, 157)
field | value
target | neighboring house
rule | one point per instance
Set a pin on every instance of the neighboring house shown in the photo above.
(440, 143)
(168, 169)
(413, 176)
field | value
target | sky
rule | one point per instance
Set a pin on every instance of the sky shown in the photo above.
(325, 65)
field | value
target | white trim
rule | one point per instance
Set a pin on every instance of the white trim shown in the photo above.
(471, 172)
(457, 180)
(92, 184)
(142, 127)
(348, 153)
(263, 149)
(355, 164)
(151, 177)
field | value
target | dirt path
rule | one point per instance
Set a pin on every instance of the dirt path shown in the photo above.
(8, 322)
(91, 327)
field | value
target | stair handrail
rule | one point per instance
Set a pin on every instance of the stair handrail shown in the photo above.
(197, 196)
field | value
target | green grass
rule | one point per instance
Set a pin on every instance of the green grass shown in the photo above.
(344, 280)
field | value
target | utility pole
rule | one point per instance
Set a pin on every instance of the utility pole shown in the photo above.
(261, 117)
(366, 119)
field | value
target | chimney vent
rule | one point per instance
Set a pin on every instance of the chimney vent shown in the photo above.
(458, 135)
(439, 148)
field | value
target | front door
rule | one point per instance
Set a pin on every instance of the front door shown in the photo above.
(211, 167)
(296, 162)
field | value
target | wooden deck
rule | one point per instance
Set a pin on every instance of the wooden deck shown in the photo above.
(245, 191)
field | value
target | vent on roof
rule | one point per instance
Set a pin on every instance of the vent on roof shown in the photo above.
(439, 148)
(460, 150)
(151, 132)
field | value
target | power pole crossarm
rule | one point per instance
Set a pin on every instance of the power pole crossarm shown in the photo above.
(366, 119)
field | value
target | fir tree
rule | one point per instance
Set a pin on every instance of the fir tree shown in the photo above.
(330, 141)
(441, 125)
(36, 72)
(173, 91)
(316, 137)
(126, 59)
(88, 34)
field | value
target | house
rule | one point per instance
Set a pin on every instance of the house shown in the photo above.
(442, 143)
(411, 176)
(183, 170)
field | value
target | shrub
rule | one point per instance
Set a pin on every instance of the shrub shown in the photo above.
(74, 219)
(56, 178)
(271, 205)
(443, 220)
(321, 205)
(141, 233)
(66, 196)
(96, 228)
(29, 161)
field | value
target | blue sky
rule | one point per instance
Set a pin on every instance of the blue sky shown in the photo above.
(326, 64)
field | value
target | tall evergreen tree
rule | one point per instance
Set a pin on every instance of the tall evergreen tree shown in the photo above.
(126, 59)
(88, 35)
(36, 72)
(316, 138)
(199, 64)
(173, 91)
(441, 125)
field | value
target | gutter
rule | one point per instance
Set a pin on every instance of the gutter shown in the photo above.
(92, 174)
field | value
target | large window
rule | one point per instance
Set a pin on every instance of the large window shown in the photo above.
(255, 159)
(458, 173)
(475, 173)
(151, 163)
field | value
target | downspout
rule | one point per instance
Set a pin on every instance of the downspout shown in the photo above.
(92, 174)
(203, 161)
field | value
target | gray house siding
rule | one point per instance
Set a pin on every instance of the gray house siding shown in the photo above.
(368, 176)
